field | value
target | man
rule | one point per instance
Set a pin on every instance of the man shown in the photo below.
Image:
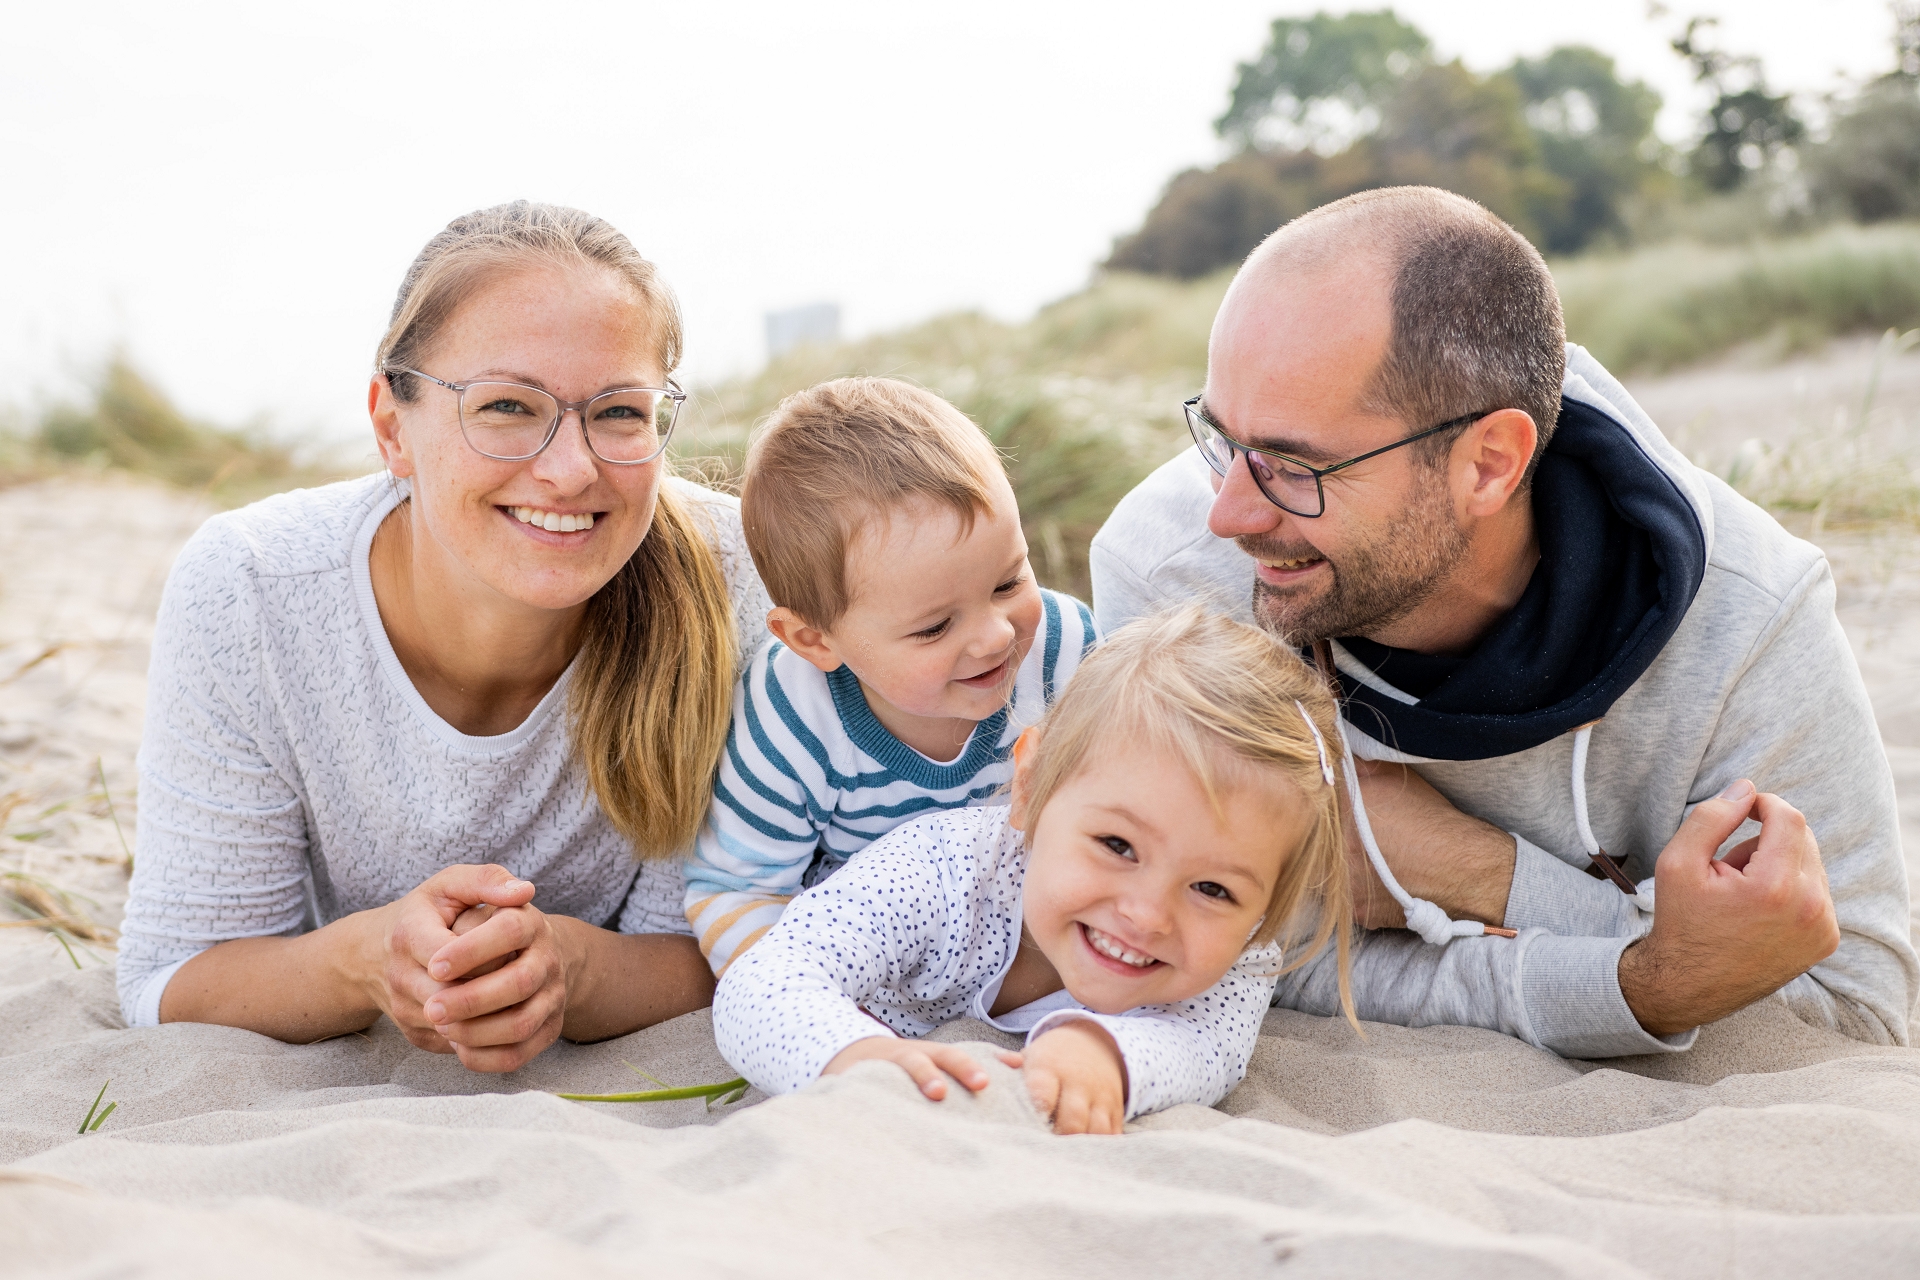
(1562, 624)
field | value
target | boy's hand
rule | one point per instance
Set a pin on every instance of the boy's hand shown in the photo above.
(1077, 1078)
(928, 1064)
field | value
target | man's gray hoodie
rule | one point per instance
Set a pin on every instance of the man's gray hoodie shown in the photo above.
(1698, 633)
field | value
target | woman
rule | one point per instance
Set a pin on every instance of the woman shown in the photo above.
(395, 710)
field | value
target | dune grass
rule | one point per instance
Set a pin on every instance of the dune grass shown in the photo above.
(95, 1117)
(1083, 399)
(1863, 470)
(128, 424)
(1676, 304)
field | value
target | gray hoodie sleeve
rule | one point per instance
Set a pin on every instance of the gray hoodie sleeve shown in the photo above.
(1555, 993)
(1798, 722)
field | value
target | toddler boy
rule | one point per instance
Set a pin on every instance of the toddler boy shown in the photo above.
(911, 646)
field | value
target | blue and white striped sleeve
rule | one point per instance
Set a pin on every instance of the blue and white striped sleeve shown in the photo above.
(1194, 1051)
(762, 828)
(1069, 635)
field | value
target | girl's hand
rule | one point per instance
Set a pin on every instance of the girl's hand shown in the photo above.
(928, 1064)
(1077, 1078)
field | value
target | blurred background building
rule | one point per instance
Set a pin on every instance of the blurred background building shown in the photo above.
(818, 323)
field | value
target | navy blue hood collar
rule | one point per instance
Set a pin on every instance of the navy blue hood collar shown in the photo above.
(1622, 554)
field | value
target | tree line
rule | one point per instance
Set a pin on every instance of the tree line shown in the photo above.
(1561, 146)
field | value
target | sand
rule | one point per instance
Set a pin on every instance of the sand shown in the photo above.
(1772, 1149)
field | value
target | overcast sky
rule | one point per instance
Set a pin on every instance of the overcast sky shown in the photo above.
(233, 191)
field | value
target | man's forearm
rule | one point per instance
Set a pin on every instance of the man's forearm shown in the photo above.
(1456, 861)
(1463, 866)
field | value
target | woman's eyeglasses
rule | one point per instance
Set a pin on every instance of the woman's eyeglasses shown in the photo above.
(511, 422)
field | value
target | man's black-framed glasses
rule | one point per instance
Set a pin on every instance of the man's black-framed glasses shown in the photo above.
(512, 422)
(1288, 483)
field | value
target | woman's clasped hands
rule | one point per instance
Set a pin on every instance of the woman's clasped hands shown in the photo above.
(1073, 1072)
(470, 966)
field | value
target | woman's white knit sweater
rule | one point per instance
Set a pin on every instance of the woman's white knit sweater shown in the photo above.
(290, 774)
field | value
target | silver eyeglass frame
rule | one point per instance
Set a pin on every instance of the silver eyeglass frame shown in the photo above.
(672, 391)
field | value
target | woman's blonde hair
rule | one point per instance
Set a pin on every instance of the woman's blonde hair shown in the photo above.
(653, 685)
(1222, 698)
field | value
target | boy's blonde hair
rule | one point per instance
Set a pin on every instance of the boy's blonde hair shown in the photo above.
(841, 454)
(1224, 698)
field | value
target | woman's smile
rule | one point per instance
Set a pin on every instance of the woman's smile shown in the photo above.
(552, 527)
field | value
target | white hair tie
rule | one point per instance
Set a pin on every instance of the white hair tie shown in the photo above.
(1319, 743)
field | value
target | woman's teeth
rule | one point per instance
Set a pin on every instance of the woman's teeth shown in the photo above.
(552, 521)
(1107, 946)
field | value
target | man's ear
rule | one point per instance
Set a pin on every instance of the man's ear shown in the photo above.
(385, 412)
(1023, 749)
(1495, 451)
(801, 636)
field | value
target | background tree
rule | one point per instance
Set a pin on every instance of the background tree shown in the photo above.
(1594, 132)
(1321, 81)
(1869, 167)
(1447, 127)
(1746, 127)
(1342, 103)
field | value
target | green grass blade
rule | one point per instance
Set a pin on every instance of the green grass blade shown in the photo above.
(61, 938)
(96, 1104)
(100, 763)
(645, 1075)
(708, 1091)
(95, 1126)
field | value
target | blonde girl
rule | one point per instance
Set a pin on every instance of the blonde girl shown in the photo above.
(1173, 827)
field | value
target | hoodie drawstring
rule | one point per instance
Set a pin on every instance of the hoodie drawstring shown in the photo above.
(1608, 866)
(1423, 917)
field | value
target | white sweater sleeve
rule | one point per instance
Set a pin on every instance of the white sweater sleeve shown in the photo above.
(1194, 1051)
(792, 1001)
(220, 850)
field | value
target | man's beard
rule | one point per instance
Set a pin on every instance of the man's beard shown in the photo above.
(1376, 582)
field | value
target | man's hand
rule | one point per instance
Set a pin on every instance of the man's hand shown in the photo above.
(928, 1064)
(1454, 860)
(1728, 932)
(1077, 1078)
(496, 993)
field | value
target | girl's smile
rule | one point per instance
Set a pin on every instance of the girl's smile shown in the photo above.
(1114, 954)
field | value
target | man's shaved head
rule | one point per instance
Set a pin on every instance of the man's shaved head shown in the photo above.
(1475, 317)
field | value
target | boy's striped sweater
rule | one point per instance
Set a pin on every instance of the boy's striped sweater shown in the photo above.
(809, 770)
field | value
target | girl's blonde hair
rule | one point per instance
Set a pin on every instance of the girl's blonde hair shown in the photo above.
(653, 686)
(1212, 692)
